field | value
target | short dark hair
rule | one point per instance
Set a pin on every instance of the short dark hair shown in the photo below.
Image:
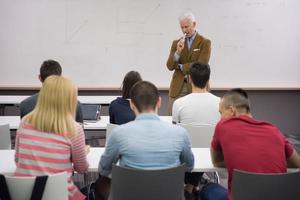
(237, 98)
(129, 80)
(144, 95)
(48, 68)
(200, 73)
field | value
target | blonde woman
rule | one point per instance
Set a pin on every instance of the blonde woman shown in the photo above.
(49, 140)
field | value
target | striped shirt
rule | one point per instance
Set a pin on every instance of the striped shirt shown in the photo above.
(41, 153)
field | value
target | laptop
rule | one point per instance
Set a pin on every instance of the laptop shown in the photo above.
(91, 112)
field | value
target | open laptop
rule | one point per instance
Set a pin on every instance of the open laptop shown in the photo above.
(91, 112)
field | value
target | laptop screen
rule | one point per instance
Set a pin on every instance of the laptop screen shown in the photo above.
(91, 111)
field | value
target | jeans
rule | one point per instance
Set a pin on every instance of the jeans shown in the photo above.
(213, 191)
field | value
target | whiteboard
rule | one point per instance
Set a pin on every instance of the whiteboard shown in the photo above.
(255, 43)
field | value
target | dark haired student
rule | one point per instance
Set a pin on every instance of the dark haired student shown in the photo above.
(48, 68)
(119, 109)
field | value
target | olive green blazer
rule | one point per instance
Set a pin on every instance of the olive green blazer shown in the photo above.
(199, 51)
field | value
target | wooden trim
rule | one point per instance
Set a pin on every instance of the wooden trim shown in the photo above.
(98, 88)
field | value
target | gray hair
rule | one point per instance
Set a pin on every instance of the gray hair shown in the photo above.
(187, 15)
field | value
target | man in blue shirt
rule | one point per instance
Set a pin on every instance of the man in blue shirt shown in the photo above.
(147, 142)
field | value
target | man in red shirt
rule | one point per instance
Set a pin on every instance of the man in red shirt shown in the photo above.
(241, 142)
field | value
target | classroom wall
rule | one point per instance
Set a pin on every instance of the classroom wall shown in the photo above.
(97, 41)
(281, 108)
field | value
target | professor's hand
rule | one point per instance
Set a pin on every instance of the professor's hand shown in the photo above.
(180, 45)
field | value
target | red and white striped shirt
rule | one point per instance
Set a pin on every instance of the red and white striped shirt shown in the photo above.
(41, 153)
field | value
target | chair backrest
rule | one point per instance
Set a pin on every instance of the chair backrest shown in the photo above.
(246, 186)
(136, 184)
(200, 135)
(5, 141)
(21, 187)
(109, 129)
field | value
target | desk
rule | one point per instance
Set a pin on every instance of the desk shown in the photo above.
(202, 160)
(16, 99)
(14, 122)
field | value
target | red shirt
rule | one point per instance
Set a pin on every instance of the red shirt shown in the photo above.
(251, 145)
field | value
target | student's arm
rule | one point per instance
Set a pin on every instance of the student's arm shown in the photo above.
(216, 153)
(175, 113)
(79, 159)
(79, 115)
(294, 160)
(110, 156)
(187, 155)
(292, 157)
(217, 158)
(111, 114)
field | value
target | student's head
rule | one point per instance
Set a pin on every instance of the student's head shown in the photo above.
(144, 97)
(129, 80)
(187, 23)
(199, 75)
(235, 102)
(48, 68)
(56, 107)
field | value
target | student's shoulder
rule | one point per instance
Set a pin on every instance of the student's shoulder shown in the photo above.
(30, 100)
(183, 99)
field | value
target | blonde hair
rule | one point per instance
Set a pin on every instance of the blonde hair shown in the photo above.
(55, 108)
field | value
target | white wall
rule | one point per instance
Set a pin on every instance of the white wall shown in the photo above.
(255, 43)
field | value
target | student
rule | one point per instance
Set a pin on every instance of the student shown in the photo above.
(244, 143)
(119, 109)
(147, 142)
(198, 108)
(48, 68)
(48, 139)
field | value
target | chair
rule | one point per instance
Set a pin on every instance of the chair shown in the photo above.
(5, 141)
(200, 135)
(246, 186)
(136, 184)
(21, 187)
(109, 129)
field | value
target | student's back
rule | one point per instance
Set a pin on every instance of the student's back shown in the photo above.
(119, 109)
(150, 143)
(28, 104)
(197, 108)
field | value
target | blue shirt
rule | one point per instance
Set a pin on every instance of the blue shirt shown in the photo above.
(147, 143)
(120, 111)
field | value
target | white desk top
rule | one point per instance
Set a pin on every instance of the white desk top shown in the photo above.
(16, 99)
(202, 160)
(14, 122)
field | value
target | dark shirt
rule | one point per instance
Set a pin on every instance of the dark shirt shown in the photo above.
(120, 111)
(27, 105)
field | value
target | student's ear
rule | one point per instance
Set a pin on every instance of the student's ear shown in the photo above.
(158, 104)
(233, 111)
(133, 108)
